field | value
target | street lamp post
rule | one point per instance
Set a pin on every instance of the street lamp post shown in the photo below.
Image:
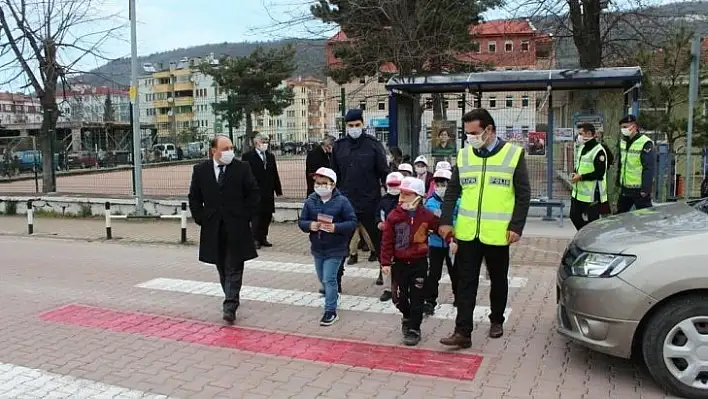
(135, 99)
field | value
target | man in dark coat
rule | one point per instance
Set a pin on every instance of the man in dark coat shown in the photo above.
(319, 157)
(222, 197)
(265, 171)
(359, 160)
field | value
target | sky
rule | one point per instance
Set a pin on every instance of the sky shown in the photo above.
(170, 24)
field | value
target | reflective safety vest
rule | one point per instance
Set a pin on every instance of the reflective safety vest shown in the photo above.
(631, 163)
(584, 191)
(487, 199)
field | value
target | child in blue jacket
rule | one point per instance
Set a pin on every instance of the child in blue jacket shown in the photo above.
(330, 219)
(438, 250)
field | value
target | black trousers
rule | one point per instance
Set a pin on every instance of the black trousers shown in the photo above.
(230, 270)
(260, 225)
(408, 289)
(468, 262)
(625, 202)
(579, 208)
(436, 256)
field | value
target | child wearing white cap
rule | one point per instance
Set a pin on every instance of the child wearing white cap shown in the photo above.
(404, 254)
(421, 170)
(388, 202)
(406, 169)
(442, 165)
(329, 218)
(439, 251)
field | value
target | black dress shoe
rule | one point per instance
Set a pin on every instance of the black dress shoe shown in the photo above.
(266, 244)
(229, 317)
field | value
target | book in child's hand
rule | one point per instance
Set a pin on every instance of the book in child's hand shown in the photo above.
(324, 220)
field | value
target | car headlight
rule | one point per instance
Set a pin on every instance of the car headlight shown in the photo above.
(591, 264)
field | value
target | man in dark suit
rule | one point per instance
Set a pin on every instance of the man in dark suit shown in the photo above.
(222, 197)
(266, 173)
(319, 157)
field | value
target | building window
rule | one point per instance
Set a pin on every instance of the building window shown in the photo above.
(492, 102)
(509, 101)
(524, 45)
(428, 103)
(303, 101)
(382, 106)
(492, 47)
(525, 101)
(524, 130)
(445, 104)
(362, 80)
(508, 46)
(460, 104)
(279, 123)
(303, 113)
(362, 105)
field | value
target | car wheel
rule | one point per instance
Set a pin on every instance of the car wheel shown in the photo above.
(675, 346)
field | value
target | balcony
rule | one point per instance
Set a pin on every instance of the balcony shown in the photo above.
(164, 118)
(185, 117)
(184, 86)
(163, 74)
(162, 88)
(180, 101)
(160, 104)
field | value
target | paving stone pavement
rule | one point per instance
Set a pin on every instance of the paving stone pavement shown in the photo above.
(537, 249)
(40, 276)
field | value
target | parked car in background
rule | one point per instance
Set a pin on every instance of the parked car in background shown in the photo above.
(636, 285)
(165, 152)
(81, 160)
(194, 150)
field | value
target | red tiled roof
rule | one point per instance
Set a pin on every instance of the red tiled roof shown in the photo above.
(503, 27)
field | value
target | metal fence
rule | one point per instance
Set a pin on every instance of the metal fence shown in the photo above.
(98, 161)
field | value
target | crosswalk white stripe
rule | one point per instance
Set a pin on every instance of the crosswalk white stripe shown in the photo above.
(301, 298)
(350, 271)
(23, 382)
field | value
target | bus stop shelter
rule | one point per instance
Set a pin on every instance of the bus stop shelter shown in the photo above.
(615, 92)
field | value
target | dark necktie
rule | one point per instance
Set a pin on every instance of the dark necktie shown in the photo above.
(220, 179)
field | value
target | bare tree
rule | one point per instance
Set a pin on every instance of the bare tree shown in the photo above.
(46, 42)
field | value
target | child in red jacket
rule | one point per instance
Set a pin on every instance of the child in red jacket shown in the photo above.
(404, 254)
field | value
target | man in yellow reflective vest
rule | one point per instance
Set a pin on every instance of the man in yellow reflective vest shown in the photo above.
(588, 178)
(492, 183)
(636, 167)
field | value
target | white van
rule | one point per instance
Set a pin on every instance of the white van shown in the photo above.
(165, 152)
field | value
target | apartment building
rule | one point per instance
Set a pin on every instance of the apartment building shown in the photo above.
(179, 97)
(19, 109)
(89, 104)
(504, 44)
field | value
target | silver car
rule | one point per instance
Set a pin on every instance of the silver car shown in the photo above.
(636, 285)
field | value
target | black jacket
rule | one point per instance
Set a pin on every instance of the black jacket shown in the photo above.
(317, 158)
(232, 204)
(361, 170)
(267, 177)
(522, 193)
(648, 158)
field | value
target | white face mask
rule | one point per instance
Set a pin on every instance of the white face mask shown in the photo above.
(227, 157)
(476, 140)
(323, 191)
(354, 132)
(440, 191)
(420, 170)
(393, 191)
(263, 147)
(582, 139)
(407, 206)
(625, 131)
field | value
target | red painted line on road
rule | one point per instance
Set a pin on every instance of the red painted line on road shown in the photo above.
(452, 365)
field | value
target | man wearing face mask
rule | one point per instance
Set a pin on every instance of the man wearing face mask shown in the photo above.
(223, 195)
(360, 162)
(588, 178)
(492, 184)
(265, 171)
(636, 167)
(319, 157)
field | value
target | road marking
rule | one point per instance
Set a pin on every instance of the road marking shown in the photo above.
(302, 298)
(456, 365)
(349, 271)
(23, 382)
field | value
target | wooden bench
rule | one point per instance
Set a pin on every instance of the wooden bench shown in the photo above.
(550, 203)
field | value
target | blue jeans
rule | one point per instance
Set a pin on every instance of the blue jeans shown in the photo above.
(327, 269)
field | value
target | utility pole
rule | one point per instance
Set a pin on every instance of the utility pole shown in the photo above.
(135, 98)
(692, 94)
